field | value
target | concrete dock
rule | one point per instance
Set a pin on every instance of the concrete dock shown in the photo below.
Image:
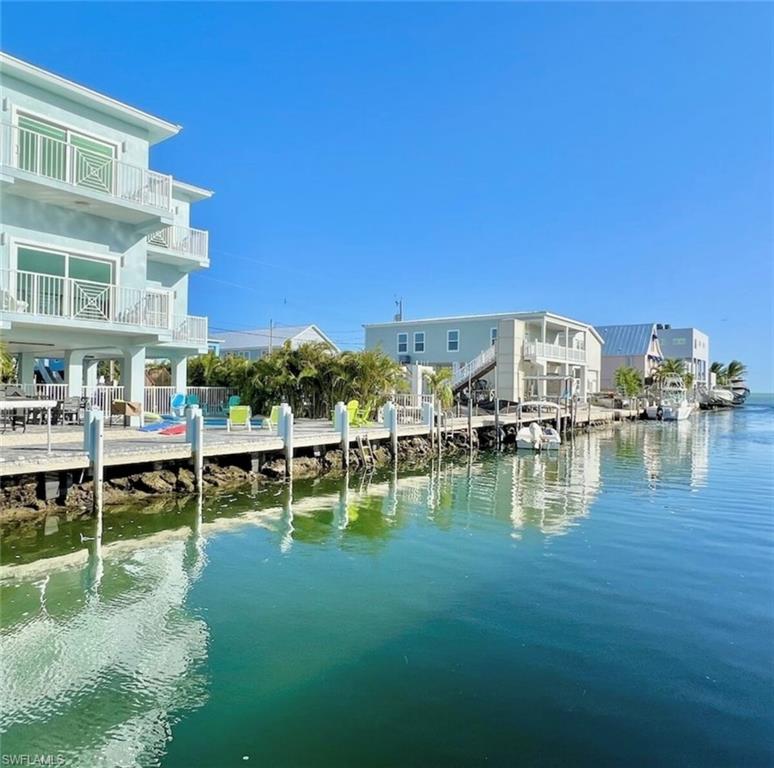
(26, 453)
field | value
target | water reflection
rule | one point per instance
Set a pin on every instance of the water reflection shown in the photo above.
(100, 665)
(102, 653)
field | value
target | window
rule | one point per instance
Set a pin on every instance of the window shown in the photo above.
(402, 343)
(493, 335)
(419, 341)
(452, 341)
(43, 149)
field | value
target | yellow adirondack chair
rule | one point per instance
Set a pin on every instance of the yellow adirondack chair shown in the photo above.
(239, 416)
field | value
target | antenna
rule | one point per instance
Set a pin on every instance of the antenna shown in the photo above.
(399, 314)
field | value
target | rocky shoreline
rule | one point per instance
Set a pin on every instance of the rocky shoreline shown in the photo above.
(24, 498)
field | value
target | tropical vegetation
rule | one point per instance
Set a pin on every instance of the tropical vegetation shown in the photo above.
(725, 374)
(674, 367)
(439, 384)
(628, 381)
(7, 364)
(310, 378)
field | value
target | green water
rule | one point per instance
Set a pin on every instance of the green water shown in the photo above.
(611, 606)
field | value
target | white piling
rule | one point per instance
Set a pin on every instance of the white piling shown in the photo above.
(286, 418)
(95, 425)
(391, 422)
(341, 419)
(194, 429)
(428, 419)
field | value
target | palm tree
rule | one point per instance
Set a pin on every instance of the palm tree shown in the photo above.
(735, 370)
(7, 364)
(719, 370)
(439, 384)
(628, 381)
(670, 367)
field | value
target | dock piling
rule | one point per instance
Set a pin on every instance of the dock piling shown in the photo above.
(94, 438)
(194, 432)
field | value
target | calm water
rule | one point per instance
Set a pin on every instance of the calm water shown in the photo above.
(610, 606)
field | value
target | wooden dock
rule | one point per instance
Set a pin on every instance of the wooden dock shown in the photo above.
(27, 453)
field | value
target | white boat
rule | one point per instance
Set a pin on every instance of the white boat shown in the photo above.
(536, 437)
(530, 438)
(672, 402)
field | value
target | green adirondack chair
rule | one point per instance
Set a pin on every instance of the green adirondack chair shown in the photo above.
(239, 416)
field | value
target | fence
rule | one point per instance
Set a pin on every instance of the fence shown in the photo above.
(212, 400)
(409, 407)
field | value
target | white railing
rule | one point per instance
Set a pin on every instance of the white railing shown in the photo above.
(477, 364)
(182, 240)
(535, 349)
(409, 407)
(189, 328)
(85, 169)
(212, 400)
(33, 293)
(97, 397)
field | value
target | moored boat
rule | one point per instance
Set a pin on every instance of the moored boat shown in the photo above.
(672, 403)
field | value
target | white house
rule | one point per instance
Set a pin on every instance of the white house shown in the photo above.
(95, 246)
(256, 343)
(689, 345)
(535, 351)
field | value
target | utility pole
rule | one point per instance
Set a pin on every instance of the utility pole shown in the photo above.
(271, 334)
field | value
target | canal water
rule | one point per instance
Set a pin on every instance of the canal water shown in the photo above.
(608, 606)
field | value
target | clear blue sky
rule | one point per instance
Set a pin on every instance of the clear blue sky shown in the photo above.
(611, 162)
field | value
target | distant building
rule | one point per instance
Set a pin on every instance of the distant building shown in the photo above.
(633, 346)
(213, 345)
(689, 345)
(254, 344)
(536, 349)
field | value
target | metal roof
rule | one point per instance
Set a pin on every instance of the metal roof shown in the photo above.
(258, 338)
(627, 340)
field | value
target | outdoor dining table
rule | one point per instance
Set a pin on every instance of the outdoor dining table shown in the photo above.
(28, 404)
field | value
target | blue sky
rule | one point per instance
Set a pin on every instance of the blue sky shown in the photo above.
(611, 162)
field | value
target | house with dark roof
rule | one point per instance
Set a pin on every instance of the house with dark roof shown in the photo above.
(635, 346)
(256, 343)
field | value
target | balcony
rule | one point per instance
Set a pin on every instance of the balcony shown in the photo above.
(58, 172)
(48, 299)
(534, 350)
(180, 245)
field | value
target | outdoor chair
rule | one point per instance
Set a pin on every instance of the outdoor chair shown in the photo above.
(273, 421)
(239, 416)
(357, 416)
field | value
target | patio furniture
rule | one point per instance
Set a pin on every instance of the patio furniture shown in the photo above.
(239, 416)
(177, 404)
(125, 408)
(28, 403)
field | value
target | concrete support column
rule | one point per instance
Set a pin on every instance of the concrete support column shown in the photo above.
(179, 370)
(90, 367)
(133, 377)
(26, 367)
(73, 371)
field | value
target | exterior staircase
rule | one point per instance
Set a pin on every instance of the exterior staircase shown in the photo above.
(479, 366)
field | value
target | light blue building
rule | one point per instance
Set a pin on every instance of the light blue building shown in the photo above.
(689, 345)
(535, 350)
(95, 246)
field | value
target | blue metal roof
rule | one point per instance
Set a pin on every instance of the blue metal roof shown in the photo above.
(626, 339)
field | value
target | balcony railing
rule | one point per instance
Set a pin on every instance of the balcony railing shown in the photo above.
(536, 349)
(82, 168)
(189, 328)
(183, 240)
(40, 295)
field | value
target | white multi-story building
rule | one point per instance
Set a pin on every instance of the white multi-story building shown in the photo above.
(535, 351)
(95, 246)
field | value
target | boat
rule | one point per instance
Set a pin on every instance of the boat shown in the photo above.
(716, 397)
(536, 437)
(740, 390)
(672, 404)
(530, 438)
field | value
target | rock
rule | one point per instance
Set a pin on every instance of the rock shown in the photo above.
(186, 480)
(333, 460)
(306, 466)
(119, 482)
(274, 469)
(154, 482)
